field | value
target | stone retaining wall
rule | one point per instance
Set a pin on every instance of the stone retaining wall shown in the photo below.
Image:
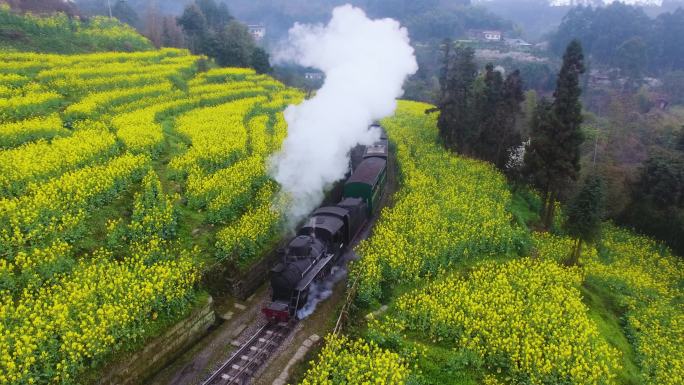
(161, 351)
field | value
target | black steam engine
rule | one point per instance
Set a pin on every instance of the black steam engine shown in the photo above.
(326, 235)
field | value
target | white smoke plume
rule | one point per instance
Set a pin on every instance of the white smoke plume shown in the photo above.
(365, 64)
(320, 291)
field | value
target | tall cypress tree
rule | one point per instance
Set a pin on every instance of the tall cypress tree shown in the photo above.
(464, 74)
(539, 153)
(497, 108)
(554, 152)
(456, 80)
(489, 114)
(512, 97)
(584, 215)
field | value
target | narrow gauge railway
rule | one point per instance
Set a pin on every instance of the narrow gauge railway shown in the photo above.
(328, 233)
(319, 244)
(242, 365)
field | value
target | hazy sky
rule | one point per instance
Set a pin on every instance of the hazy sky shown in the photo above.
(578, 2)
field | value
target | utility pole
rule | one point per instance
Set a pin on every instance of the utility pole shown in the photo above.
(109, 5)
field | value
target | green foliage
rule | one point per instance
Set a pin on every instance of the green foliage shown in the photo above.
(673, 85)
(657, 206)
(631, 59)
(478, 114)
(662, 180)
(553, 155)
(232, 45)
(621, 35)
(585, 213)
(212, 31)
(456, 82)
(62, 34)
(438, 21)
(122, 11)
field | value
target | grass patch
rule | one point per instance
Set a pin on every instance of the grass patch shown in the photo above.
(525, 207)
(442, 366)
(607, 315)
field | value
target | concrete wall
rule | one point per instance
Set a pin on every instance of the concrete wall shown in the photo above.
(159, 352)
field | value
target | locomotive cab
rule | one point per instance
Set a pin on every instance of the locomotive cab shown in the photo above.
(303, 260)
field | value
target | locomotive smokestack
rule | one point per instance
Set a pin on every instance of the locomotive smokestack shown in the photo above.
(365, 64)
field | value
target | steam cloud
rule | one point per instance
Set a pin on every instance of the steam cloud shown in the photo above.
(365, 64)
(320, 291)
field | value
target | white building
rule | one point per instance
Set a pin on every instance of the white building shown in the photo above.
(257, 31)
(492, 35)
(313, 76)
(485, 35)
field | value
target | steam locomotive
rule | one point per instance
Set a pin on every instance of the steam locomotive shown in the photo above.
(328, 232)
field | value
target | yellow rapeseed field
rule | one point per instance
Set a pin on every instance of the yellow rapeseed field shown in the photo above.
(101, 157)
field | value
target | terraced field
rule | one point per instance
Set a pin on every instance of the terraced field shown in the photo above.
(474, 297)
(121, 176)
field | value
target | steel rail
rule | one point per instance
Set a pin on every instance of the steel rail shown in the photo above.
(235, 355)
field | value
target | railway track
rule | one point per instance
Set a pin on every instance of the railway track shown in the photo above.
(242, 365)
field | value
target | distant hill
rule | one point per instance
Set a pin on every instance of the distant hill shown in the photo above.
(571, 3)
(60, 33)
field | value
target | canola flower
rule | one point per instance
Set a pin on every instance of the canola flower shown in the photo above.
(523, 316)
(92, 142)
(226, 192)
(254, 233)
(646, 279)
(348, 361)
(24, 131)
(97, 103)
(154, 214)
(58, 207)
(37, 161)
(29, 105)
(217, 134)
(449, 209)
(52, 335)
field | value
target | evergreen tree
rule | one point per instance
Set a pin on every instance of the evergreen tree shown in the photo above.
(122, 11)
(497, 111)
(478, 114)
(657, 205)
(631, 59)
(539, 152)
(233, 46)
(211, 30)
(489, 115)
(512, 99)
(555, 139)
(456, 81)
(446, 99)
(217, 15)
(461, 82)
(195, 26)
(584, 215)
(260, 61)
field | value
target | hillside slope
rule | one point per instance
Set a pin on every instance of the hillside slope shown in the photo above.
(474, 297)
(122, 177)
(61, 34)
